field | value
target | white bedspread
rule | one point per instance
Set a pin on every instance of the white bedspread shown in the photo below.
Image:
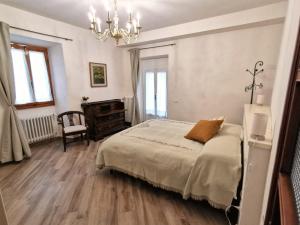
(156, 151)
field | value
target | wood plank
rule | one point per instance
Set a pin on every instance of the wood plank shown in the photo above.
(57, 188)
(3, 217)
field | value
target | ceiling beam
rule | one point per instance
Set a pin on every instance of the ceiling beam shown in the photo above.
(269, 14)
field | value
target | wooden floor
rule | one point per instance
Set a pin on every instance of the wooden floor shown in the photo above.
(57, 188)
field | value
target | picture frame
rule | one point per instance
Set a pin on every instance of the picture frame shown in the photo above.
(98, 74)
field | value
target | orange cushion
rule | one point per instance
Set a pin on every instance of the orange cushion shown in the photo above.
(204, 130)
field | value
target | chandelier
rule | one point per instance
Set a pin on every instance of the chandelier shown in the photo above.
(128, 34)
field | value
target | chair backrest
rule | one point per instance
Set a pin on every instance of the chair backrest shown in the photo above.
(71, 118)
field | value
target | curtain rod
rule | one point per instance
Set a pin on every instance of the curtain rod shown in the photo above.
(35, 32)
(159, 46)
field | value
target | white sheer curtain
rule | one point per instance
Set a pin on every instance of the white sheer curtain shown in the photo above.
(40, 77)
(161, 94)
(150, 93)
(40, 89)
(24, 93)
(154, 88)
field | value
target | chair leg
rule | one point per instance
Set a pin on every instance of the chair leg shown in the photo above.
(87, 138)
(81, 137)
(65, 143)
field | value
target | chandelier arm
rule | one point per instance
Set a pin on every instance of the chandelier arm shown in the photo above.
(103, 35)
(124, 35)
(110, 29)
(127, 37)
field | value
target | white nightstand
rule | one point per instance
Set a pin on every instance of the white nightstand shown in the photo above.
(256, 160)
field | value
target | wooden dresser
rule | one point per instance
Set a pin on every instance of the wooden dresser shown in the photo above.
(256, 161)
(104, 117)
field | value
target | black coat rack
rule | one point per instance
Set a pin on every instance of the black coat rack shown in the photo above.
(252, 87)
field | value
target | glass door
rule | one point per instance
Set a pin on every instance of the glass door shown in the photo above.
(155, 94)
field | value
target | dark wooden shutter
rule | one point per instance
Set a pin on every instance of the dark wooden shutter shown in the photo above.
(295, 176)
(284, 200)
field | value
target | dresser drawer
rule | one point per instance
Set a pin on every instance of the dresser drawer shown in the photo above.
(110, 125)
(111, 117)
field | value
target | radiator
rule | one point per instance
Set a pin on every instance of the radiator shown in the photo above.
(39, 128)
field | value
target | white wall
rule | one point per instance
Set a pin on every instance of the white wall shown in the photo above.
(71, 58)
(207, 74)
(281, 84)
(59, 78)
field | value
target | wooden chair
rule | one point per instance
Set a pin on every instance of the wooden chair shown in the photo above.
(71, 127)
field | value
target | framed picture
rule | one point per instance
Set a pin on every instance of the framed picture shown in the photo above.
(98, 74)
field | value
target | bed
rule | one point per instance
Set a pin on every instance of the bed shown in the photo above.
(157, 152)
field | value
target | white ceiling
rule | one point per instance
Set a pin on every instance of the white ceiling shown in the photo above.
(154, 13)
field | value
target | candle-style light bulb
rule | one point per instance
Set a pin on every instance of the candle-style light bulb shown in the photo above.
(134, 26)
(138, 18)
(90, 16)
(93, 10)
(116, 21)
(98, 21)
(107, 8)
(128, 27)
(108, 16)
(107, 5)
(129, 17)
(129, 9)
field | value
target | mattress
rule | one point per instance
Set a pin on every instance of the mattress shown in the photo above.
(157, 152)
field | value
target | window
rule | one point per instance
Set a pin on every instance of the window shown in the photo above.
(31, 76)
(156, 94)
(154, 90)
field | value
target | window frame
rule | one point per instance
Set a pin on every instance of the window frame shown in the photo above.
(282, 208)
(44, 50)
